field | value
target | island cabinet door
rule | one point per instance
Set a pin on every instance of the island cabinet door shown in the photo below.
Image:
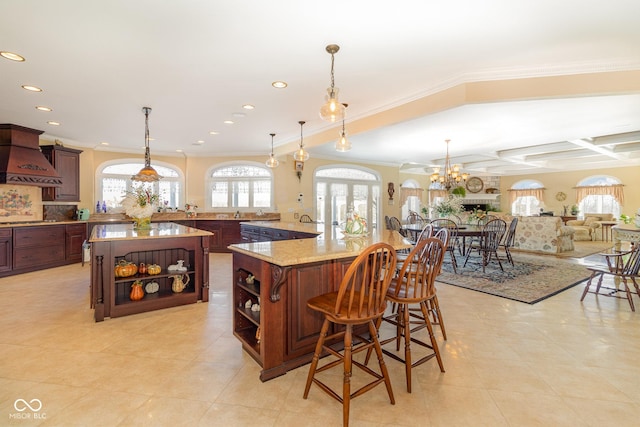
(307, 281)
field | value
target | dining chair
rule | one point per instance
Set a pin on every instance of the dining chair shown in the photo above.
(507, 241)
(395, 224)
(359, 300)
(453, 243)
(488, 243)
(621, 265)
(414, 218)
(415, 284)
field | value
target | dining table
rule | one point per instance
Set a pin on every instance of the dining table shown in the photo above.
(464, 231)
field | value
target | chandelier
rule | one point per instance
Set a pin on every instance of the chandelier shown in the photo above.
(272, 162)
(147, 173)
(332, 110)
(451, 176)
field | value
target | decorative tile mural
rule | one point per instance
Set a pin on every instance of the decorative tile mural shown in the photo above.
(20, 203)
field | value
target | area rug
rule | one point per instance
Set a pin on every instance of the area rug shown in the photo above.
(531, 280)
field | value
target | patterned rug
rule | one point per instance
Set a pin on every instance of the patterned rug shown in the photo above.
(532, 279)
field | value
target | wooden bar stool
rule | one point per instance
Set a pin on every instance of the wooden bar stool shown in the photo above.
(359, 300)
(415, 284)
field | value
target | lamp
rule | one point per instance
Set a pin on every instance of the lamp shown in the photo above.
(451, 175)
(332, 110)
(301, 154)
(147, 173)
(343, 144)
(272, 162)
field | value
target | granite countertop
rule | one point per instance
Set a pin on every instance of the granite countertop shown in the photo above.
(322, 248)
(182, 216)
(161, 230)
(37, 223)
(303, 227)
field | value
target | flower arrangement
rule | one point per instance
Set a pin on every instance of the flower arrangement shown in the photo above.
(190, 208)
(140, 203)
(478, 215)
(449, 206)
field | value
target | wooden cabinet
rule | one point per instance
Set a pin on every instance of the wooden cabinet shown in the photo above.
(66, 161)
(225, 233)
(6, 249)
(256, 233)
(75, 235)
(110, 294)
(38, 247)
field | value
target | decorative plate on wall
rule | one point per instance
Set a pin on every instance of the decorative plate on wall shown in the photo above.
(475, 184)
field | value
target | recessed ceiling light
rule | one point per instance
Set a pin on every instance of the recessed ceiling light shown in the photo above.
(214, 132)
(43, 108)
(12, 56)
(52, 123)
(279, 84)
(240, 115)
(32, 88)
(199, 141)
(248, 107)
(228, 122)
(104, 143)
(178, 150)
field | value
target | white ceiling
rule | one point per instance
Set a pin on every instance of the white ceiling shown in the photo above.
(197, 62)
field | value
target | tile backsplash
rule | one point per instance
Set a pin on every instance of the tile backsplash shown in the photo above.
(60, 212)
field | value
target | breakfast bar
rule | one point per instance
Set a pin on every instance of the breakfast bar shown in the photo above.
(272, 281)
(118, 250)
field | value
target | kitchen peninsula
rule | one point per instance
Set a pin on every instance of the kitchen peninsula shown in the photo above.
(164, 245)
(272, 281)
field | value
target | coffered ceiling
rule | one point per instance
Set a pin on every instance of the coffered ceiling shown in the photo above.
(517, 86)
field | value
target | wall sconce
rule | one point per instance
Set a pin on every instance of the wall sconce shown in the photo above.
(299, 167)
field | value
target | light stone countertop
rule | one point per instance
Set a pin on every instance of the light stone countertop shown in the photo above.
(160, 230)
(322, 248)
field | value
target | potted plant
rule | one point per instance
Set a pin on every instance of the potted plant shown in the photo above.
(574, 210)
(449, 206)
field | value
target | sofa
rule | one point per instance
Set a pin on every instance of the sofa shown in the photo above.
(589, 228)
(538, 233)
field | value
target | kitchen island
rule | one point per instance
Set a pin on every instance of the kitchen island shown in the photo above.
(164, 245)
(272, 282)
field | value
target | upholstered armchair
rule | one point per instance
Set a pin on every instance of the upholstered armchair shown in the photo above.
(587, 228)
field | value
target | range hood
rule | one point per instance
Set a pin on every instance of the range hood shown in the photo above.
(21, 161)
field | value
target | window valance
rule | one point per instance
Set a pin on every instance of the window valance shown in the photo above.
(405, 193)
(538, 193)
(616, 191)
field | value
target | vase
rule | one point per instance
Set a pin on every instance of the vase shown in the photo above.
(137, 293)
(142, 223)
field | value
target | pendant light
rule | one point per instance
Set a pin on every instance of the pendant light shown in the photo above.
(332, 110)
(301, 155)
(272, 162)
(147, 173)
(343, 144)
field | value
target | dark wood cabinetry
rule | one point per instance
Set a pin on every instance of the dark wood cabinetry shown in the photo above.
(66, 162)
(225, 233)
(6, 250)
(256, 233)
(75, 235)
(110, 294)
(31, 248)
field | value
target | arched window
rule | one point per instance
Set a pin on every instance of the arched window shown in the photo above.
(113, 180)
(410, 194)
(526, 197)
(239, 186)
(338, 188)
(600, 194)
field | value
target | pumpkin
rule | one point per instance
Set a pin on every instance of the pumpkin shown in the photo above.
(125, 268)
(137, 293)
(153, 269)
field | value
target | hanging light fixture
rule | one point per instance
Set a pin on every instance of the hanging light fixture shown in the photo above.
(147, 173)
(272, 162)
(301, 155)
(343, 144)
(332, 110)
(451, 176)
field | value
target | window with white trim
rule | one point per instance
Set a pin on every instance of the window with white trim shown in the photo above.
(599, 203)
(240, 186)
(113, 180)
(339, 188)
(526, 205)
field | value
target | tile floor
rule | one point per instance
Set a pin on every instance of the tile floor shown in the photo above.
(556, 363)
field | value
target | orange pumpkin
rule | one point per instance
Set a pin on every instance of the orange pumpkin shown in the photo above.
(137, 293)
(125, 268)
